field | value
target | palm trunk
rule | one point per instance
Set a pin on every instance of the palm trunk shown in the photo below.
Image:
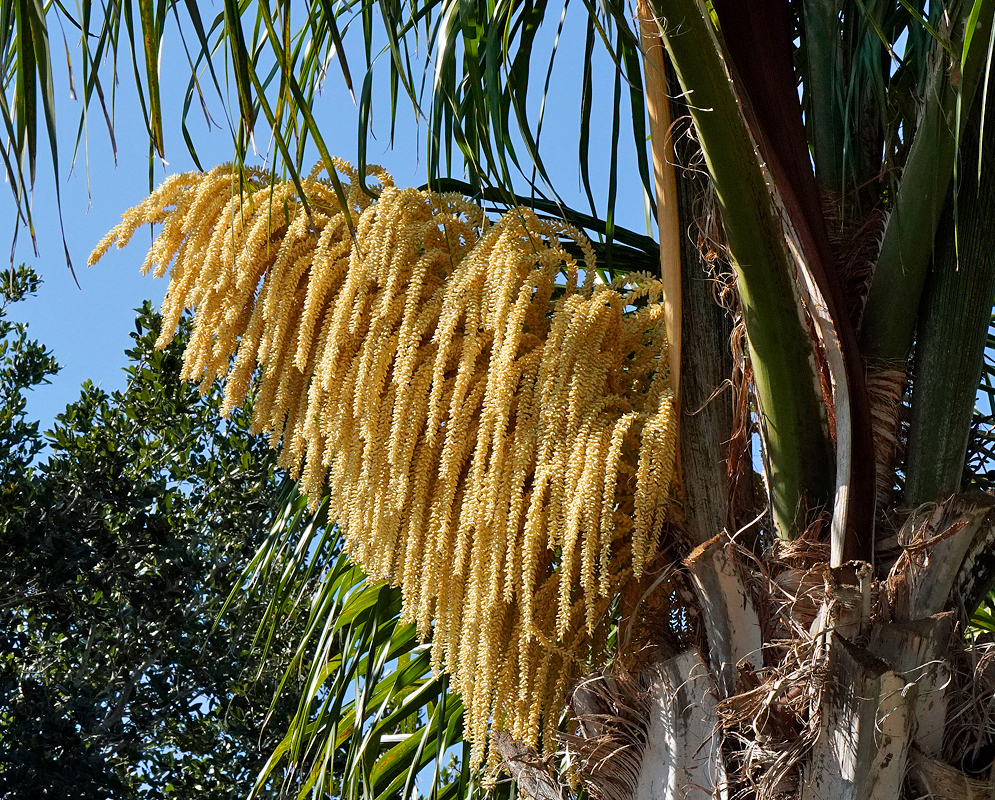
(877, 665)
(857, 702)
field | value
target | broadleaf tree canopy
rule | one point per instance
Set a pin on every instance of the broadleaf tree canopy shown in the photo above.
(123, 530)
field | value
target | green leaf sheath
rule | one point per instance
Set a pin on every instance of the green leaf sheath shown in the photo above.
(774, 115)
(793, 421)
(825, 106)
(953, 332)
(892, 307)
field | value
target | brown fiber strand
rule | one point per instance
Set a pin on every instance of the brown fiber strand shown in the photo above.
(492, 426)
(885, 387)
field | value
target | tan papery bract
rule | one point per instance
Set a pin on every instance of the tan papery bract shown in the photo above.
(492, 423)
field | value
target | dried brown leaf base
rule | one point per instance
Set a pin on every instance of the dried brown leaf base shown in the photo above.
(861, 688)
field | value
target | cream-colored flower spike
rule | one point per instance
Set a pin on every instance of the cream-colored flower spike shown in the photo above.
(494, 426)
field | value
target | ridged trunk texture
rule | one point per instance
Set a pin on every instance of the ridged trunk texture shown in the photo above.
(871, 707)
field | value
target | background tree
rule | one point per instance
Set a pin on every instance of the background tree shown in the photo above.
(123, 529)
(869, 557)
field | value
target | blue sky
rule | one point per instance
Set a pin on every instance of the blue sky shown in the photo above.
(88, 327)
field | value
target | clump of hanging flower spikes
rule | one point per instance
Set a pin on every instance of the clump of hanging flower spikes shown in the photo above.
(493, 424)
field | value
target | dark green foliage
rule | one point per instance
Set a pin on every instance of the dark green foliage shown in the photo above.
(23, 363)
(116, 554)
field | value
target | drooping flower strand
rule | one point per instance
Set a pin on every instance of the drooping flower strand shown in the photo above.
(493, 425)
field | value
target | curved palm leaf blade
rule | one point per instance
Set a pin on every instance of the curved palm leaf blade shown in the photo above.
(469, 75)
(373, 721)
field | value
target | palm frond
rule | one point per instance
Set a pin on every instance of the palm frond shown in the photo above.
(26, 60)
(374, 720)
(467, 73)
(952, 330)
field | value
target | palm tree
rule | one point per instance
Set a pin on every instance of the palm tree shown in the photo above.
(809, 635)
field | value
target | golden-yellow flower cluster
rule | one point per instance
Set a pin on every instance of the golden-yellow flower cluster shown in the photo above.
(493, 422)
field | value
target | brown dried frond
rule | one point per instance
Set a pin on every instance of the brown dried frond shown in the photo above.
(885, 389)
(739, 464)
(611, 710)
(797, 574)
(969, 741)
(774, 724)
(494, 427)
(855, 239)
(659, 616)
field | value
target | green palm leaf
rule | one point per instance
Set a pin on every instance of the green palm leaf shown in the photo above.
(373, 721)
